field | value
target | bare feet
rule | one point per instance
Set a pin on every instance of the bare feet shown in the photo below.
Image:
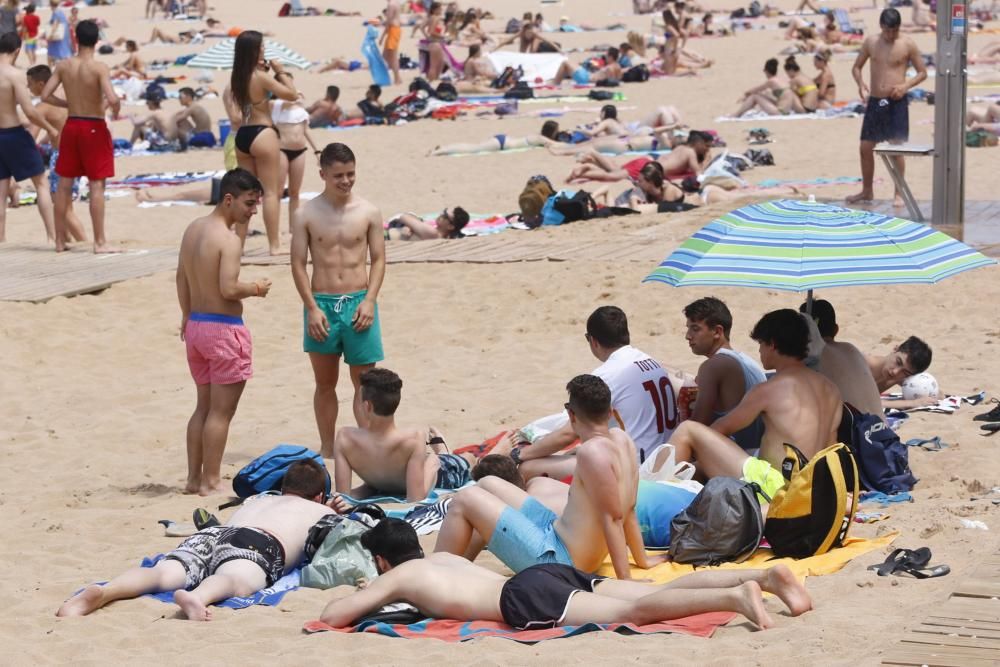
(506, 444)
(105, 249)
(326, 452)
(211, 489)
(751, 605)
(88, 600)
(193, 485)
(141, 196)
(782, 582)
(897, 201)
(864, 195)
(192, 607)
(278, 251)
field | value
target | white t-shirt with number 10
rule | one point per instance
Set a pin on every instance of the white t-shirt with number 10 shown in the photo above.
(643, 398)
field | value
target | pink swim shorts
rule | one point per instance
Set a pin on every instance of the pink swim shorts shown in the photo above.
(219, 350)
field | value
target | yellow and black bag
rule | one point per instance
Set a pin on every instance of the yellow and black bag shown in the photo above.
(813, 512)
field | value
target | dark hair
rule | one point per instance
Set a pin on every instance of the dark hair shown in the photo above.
(712, 312)
(698, 135)
(336, 152)
(550, 129)
(87, 33)
(613, 53)
(39, 73)
(917, 352)
(186, 90)
(9, 42)
(246, 55)
(333, 93)
(498, 465)
(609, 111)
(375, 90)
(130, 45)
(30, 9)
(305, 479)
(237, 181)
(653, 172)
(791, 65)
(824, 315)
(589, 397)
(459, 219)
(670, 19)
(890, 18)
(771, 66)
(474, 50)
(785, 330)
(608, 326)
(394, 540)
(382, 388)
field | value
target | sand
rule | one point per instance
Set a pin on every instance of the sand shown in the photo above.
(96, 392)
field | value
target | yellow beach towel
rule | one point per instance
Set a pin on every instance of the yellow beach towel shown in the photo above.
(827, 563)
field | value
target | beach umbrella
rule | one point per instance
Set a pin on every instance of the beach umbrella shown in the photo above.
(220, 56)
(802, 245)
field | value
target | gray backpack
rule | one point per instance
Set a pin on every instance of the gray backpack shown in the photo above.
(722, 524)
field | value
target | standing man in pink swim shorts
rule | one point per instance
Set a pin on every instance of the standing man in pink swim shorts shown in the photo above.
(219, 349)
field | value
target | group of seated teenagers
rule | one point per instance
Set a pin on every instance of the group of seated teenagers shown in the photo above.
(327, 112)
(552, 534)
(796, 93)
(190, 126)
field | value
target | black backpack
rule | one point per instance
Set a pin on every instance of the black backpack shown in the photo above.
(446, 92)
(578, 207)
(761, 157)
(507, 77)
(520, 91)
(883, 460)
(513, 26)
(420, 83)
(636, 74)
(601, 95)
(722, 524)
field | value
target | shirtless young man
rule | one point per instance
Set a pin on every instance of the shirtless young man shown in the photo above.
(192, 124)
(887, 116)
(599, 517)
(19, 157)
(611, 71)
(911, 357)
(478, 69)
(390, 39)
(219, 349)
(843, 363)
(798, 405)
(85, 146)
(340, 230)
(443, 585)
(157, 120)
(262, 541)
(326, 112)
(727, 375)
(390, 460)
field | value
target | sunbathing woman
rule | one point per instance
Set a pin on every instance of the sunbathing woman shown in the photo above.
(825, 83)
(770, 96)
(651, 187)
(806, 92)
(989, 55)
(291, 120)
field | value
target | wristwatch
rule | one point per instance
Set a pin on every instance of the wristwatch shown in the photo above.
(515, 455)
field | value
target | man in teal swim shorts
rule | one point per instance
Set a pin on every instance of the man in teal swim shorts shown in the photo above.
(797, 405)
(341, 231)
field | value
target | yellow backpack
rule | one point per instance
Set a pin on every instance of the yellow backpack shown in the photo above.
(814, 511)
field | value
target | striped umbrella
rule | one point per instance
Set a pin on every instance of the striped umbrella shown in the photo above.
(220, 56)
(798, 246)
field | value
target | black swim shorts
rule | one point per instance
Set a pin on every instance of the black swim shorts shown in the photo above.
(539, 596)
(886, 120)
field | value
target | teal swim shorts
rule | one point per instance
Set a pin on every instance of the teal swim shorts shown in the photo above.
(359, 348)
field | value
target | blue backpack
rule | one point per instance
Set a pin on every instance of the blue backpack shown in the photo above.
(265, 472)
(883, 460)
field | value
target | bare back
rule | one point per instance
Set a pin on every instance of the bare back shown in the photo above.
(200, 260)
(8, 96)
(287, 517)
(610, 460)
(200, 118)
(85, 81)
(802, 408)
(382, 461)
(847, 368)
(338, 243)
(392, 13)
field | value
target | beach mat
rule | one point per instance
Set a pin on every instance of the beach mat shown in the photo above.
(827, 563)
(702, 625)
(850, 111)
(432, 497)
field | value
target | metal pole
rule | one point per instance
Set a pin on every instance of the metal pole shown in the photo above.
(949, 114)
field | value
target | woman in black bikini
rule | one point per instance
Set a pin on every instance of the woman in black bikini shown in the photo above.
(257, 140)
(291, 120)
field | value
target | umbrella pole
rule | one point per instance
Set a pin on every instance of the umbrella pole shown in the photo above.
(809, 303)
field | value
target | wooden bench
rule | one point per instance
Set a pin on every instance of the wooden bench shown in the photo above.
(887, 151)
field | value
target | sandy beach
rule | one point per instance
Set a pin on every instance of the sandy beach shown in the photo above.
(96, 391)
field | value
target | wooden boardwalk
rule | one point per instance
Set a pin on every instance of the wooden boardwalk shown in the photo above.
(980, 231)
(37, 273)
(962, 632)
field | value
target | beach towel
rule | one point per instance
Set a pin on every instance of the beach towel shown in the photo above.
(432, 497)
(162, 178)
(827, 563)
(537, 67)
(702, 625)
(425, 519)
(849, 110)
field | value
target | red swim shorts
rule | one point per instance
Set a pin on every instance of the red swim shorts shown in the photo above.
(85, 149)
(219, 349)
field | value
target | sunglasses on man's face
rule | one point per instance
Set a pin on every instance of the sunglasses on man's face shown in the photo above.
(447, 217)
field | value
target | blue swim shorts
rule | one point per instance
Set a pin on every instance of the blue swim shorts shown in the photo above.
(359, 348)
(454, 473)
(527, 537)
(19, 157)
(581, 75)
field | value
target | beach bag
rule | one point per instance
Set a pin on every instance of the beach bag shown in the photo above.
(722, 524)
(601, 95)
(420, 83)
(520, 91)
(507, 77)
(882, 458)
(285, 10)
(339, 559)
(446, 92)
(754, 9)
(265, 472)
(533, 198)
(636, 74)
(813, 512)
(513, 26)
(761, 157)
(980, 138)
(568, 206)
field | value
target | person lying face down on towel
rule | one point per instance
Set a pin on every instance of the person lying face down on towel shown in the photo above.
(256, 547)
(599, 517)
(443, 585)
(390, 460)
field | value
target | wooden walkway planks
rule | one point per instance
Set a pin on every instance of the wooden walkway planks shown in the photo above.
(964, 631)
(37, 273)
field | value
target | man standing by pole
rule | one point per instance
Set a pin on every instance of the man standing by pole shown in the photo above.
(887, 115)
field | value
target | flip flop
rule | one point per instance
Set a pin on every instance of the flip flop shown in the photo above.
(990, 429)
(991, 416)
(176, 529)
(930, 444)
(926, 573)
(900, 559)
(204, 519)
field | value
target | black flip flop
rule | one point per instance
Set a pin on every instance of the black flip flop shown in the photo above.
(991, 416)
(926, 572)
(990, 429)
(204, 519)
(901, 559)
